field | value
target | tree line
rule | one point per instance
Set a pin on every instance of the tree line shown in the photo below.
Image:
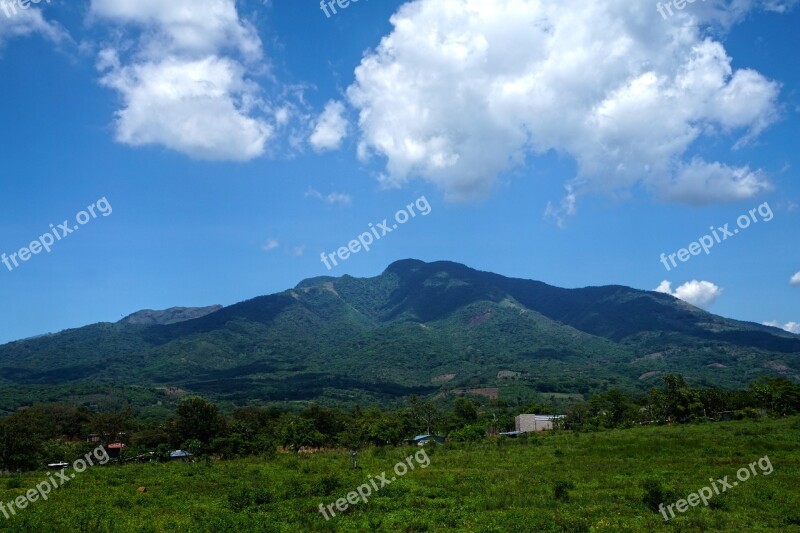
(32, 437)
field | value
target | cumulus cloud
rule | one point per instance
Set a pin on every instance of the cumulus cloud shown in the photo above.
(701, 294)
(184, 84)
(195, 107)
(270, 245)
(331, 128)
(331, 198)
(795, 281)
(791, 327)
(462, 90)
(27, 22)
(700, 183)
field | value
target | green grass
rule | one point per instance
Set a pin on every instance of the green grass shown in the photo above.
(562, 482)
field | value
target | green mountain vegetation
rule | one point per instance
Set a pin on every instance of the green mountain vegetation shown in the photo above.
(418, 328)
(173, 315)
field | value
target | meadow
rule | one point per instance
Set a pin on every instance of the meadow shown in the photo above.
(565, 481)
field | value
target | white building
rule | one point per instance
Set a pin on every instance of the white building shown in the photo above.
(531, 423)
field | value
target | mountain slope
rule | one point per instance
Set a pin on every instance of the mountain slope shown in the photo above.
(417, 328)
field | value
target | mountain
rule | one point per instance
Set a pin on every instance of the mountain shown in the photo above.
(420, 328)
(173, 315)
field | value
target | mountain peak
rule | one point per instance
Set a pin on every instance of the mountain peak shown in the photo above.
(173, 315)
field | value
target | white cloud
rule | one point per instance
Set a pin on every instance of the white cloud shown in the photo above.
(196, 28)
(791, 327)
(795, 281)
(270, 245)
(181, 85)
(332, 198)
(331, 128)
(700, 183)
(194, 107)
(462, 90)
(298, 251)
(701, 294)
(27, 22)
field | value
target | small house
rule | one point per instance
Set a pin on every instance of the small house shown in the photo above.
(531, 423)
(180, 455)
(115, 449)
(422, 440)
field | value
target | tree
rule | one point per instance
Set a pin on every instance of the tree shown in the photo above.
(22, 441)
(424, 413)
(199, 419)
(300, 432)
(111, 425)
(465, 411)
(778, 395)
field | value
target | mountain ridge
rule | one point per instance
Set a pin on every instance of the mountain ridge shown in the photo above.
(364, 340)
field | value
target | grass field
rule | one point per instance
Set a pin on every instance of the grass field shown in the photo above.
(561, 482)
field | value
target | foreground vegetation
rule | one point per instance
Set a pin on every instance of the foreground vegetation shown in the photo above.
(567, 481)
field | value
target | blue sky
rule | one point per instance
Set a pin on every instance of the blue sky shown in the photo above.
(236, 142)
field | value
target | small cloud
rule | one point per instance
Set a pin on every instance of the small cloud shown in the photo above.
(283, 115)
(791, 327)
(331, 128)
(270, 245)
(332, 198)
(702, 294)
(700, 183)
(298, 251)
(795, 281)
(566, 209)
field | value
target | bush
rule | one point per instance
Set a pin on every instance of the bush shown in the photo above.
(655, 494)
(469, 434)
(239, 499)
(14, 483)
(263, 497)
(561, 490)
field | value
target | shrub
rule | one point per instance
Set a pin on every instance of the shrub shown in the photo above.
(263, 497)
(239, 499)
(561, 490)
(655, 494)
(14, 483)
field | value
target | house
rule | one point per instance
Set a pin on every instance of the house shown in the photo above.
(115, 449)
(180, 455)
(422, 440)
(530, 423)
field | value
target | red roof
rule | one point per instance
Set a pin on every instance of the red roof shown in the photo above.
(116, 446)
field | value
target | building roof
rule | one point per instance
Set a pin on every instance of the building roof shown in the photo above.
(179, 453)
(116, 446)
